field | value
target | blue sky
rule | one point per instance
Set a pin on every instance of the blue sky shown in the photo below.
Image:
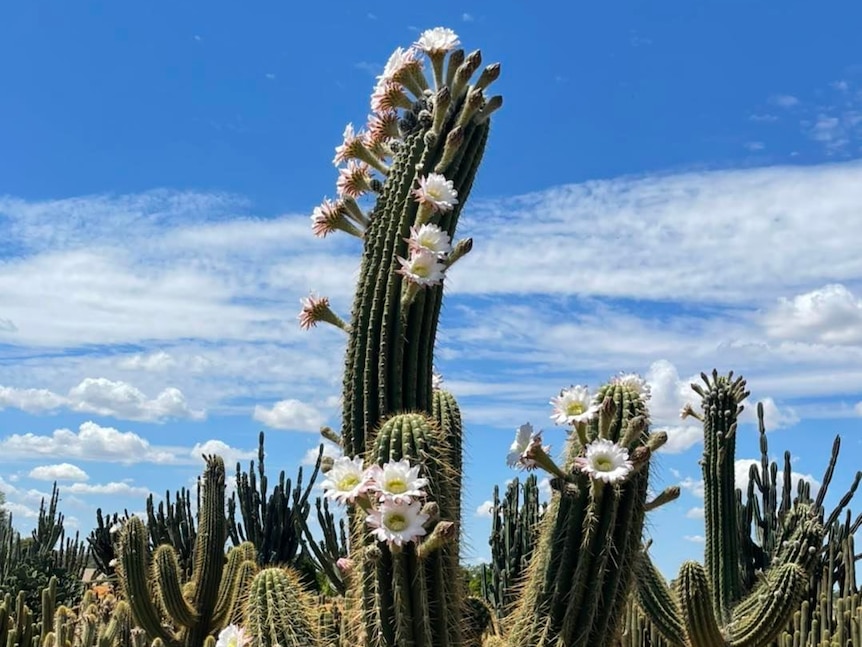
(669, 187)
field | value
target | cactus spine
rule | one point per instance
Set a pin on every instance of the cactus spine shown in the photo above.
(201, 606)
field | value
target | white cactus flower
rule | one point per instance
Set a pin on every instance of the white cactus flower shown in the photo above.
(437, 41)
(437, 192)
(605, 461)
(423, 268)
(398, 523)
(573, 405)
(346, 480)
(397, 481)
(232, 636)
(430, 237)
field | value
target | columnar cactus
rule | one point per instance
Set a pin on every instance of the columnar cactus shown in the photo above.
(514, 530)
(579, 579)
(710, 606)
(155, 588)
(420, 164)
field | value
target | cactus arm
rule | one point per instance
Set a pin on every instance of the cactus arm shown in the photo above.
(169, 587)
(779, 596)
(698, 614)
(658, 602)
(134, 578)
(231, 582)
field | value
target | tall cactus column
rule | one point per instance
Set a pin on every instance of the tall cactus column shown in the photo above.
(417, 159)
(722, 406)
(708, 606)
(155, 589)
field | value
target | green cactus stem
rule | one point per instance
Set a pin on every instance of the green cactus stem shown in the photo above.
(203, 605)
(579, 579)
(278, 612)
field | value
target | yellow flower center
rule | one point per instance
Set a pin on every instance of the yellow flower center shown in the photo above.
(575, 408)
(396, 522)
(396, 486)
(603, 464)
(348, 482)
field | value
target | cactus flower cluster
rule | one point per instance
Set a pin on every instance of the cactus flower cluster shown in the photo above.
(390, 495)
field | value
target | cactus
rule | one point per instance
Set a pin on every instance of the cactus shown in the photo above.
(514, 530)
(723, 603)
(206, 603)
(579, 579)
(279, 611)
(272, 521)
(410, 594)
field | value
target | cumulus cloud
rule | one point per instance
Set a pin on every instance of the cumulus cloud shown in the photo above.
(290, 414)
(103, 397)
(485, 509)
(680, 438)
(58, 472)
(697, 539)
(773, 416)
(121, 400)
(230, 455)
(92, 442)
(831, 315)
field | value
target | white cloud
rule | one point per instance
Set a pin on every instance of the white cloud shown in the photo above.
(697, 539)
(830, 315)
(21, 510)
(92, 442)
(290, 414)
(121, 400)
(695, 513)
(156, 361)
(30, 400)
(680, 438)
(485, 509)
(103, 397)
(773, 416)
(858, 408)
(652, 220)
(117, 488)
(230, 455)
(58, 472)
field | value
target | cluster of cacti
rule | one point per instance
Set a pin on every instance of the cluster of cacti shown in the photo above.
(563, 574)
(166, 606)
(28, 564)
(514, 529)
(100, 621)
(272, 519)
(747, 593)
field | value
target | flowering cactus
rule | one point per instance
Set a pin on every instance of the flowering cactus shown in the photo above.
(402, 437)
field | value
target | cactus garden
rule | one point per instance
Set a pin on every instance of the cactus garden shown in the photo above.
(366, 549)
